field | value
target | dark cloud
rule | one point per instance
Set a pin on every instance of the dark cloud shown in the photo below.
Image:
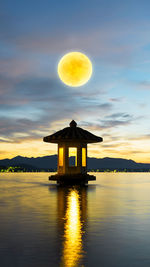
(90, 125)
(117, 99)
(32, 90)
(105, 106)
(116, 119)
(114, 123)
(111, 121)
(46, 93)
(5, 85)
(119, 115)
(34, 103)
(10, 126)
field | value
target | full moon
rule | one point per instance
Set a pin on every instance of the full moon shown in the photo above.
(74, 69)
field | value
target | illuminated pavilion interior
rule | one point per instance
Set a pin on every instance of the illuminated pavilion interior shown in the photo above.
(72, 154)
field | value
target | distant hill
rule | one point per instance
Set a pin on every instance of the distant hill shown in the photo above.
(116, 163)
(47, 163)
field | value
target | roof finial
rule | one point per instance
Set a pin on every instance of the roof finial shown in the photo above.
(73, 124)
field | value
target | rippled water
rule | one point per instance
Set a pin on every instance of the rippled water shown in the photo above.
(104, 224)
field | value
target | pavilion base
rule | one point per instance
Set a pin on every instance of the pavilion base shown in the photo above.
(71, 179)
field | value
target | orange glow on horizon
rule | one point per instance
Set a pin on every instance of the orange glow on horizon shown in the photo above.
(137, 150)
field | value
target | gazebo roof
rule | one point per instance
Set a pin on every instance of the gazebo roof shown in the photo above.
(72, 134)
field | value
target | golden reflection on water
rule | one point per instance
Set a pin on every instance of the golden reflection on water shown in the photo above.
(74, 209)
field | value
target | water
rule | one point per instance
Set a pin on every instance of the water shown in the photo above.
(104, 224)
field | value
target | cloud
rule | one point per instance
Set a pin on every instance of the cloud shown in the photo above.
(90, 126)
(30, 105)
(114, 123)
(116, 119)
(119, 115)
(5, 84)
(142, 85)
(140, 138)
(46, 91)
(30, 90)
(5, 141)
(2, 152)
(98, 44)
(117, 99)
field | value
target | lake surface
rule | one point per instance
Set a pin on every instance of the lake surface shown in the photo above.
(104, 224)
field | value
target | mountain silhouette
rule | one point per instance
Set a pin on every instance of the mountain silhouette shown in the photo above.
(50, 162)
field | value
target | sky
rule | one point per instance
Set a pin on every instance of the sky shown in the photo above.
(114, 104)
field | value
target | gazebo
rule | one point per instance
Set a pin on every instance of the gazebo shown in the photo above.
(72, 154)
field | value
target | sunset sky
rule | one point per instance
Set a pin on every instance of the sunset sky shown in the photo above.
(114, 104)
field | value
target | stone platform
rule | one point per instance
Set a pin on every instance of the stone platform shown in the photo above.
(72, 178)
